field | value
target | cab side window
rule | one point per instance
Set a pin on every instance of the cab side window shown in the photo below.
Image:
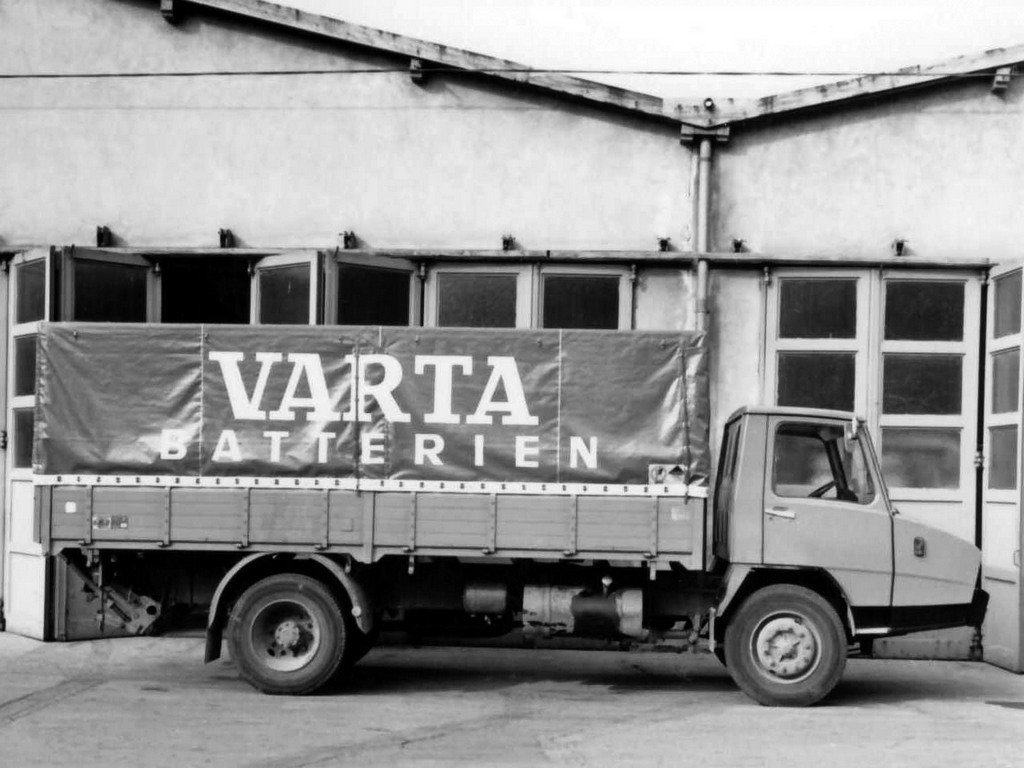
(815, 461)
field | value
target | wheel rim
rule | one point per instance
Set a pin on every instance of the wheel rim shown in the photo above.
(786, 648)
(285, 635)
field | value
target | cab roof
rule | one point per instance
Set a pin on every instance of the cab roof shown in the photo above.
(774, 410)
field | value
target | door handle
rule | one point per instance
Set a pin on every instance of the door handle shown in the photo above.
(920, 546)
(783, 512)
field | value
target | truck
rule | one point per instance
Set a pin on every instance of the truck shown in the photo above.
(308, 488)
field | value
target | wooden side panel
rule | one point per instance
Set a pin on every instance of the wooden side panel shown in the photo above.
(127, 514)
(346, 516)
(207, 514)
(453, 520)
(534, 522)
(392, 519)
(69, 512)
(287, 517)
(308, 519)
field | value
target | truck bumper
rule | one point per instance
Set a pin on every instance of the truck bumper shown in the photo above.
(919, 618)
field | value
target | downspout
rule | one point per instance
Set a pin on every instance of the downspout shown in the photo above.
(701, 216)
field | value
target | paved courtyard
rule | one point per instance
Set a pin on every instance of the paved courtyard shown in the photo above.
(151, 702)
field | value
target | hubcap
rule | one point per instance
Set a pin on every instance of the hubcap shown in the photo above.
(786, 648)
(284, 635)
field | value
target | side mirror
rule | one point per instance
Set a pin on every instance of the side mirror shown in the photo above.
(850, 434)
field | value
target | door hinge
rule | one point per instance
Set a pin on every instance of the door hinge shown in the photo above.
(979, 460)
(3, 439)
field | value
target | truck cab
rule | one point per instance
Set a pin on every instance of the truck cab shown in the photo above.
(801, 505)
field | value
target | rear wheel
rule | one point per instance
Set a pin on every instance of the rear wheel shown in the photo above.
(786, 646)
(287, 634)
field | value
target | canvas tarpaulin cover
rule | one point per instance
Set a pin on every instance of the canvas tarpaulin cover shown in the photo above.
(431, 404)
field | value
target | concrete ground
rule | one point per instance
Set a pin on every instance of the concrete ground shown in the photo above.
(152, 702)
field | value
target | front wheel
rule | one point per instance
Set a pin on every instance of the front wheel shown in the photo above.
(786, 646)
(287, 634)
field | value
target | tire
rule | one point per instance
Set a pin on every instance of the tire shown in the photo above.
(786, 646)
(287, 635)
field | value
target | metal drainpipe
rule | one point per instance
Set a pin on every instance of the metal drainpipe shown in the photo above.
(701, 229)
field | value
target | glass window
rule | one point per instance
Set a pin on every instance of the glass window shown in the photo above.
(817, 309)
(476, 299)
(1006, 381)
(108, 292)
(372, 295)
(919, 310)
(1002, 462)
(1007, 309)
(581, 301)
(817, 379)
(922, 384)
(24, 423)
(31, 278)
(205, 289)
(24, 365)
(284, 295)
(816, 461)
(921, 457)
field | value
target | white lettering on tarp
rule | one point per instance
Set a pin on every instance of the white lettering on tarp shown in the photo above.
(322, 439)
(380, 391)
(307, 373)
(275, 444)
(504, 373)
(306, 366)
(443, 366)
(478, 450)
(428, 447)
(227, 447)
(580, 451)
(173, 443)
(244, 407)
(372, 448)
(527, 450)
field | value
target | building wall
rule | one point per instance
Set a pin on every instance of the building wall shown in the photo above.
(294, 160)
(937, 167)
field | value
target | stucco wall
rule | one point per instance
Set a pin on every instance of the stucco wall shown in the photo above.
(295, 160)
(939, 167)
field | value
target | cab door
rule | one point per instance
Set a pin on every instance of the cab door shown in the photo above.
(824, 508)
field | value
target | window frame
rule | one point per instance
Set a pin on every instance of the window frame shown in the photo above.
(966, 349)
(525, 276)
(71, 255)
(858, 345)
(280, 260)
(331, 274)
(865, 456)
(625, 314)
(997, 344)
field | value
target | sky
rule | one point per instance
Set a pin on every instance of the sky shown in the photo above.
(865, 36)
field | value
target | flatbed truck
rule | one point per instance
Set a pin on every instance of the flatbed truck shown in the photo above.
(314, 486)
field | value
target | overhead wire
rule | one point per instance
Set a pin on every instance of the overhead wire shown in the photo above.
(495, 71)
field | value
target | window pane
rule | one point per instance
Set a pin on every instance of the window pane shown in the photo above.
(476, 300)
(922, 384)
(581, 301)
(817, 379)
(1006, 381)
(1002, 461)
(372, 296)
(207, 289)
(920, 310)
(1007, 309)
(817, 309)
(24, 422)
(812, 461)
(109, 292)
(284, 295)
(921, 458)
(24, 365)
(31, 291)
